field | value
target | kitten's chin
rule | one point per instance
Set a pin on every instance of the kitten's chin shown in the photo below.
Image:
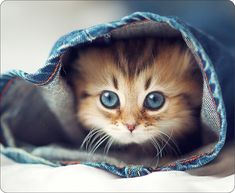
(127, 137)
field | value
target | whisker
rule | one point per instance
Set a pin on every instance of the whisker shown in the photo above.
(108, 145)
(163, 140)
(177, 150)
(160, 150)
(169, 137)
(92, 138)
(98, 143)
(88, 137)
(157, 146)
(98, 134)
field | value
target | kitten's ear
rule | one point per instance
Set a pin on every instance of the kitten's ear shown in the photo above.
(68, 59)
(69, 70)
(195, 71)
(190, 65)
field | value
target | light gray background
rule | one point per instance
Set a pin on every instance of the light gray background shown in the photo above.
(29, 29)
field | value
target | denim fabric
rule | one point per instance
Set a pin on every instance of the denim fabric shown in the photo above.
(211, 54)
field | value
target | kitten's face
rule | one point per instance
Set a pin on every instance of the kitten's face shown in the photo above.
(137, 103)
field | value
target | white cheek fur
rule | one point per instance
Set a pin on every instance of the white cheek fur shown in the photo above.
(122, 135)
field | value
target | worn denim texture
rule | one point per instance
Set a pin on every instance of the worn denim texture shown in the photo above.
(217, 72)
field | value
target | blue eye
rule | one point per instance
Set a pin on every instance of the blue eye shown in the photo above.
(109, 99)
(154, 100)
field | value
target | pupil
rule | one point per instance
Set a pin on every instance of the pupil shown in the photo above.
(109, 98)
(154, 98)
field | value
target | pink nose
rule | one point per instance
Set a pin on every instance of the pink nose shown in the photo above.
(130, 127)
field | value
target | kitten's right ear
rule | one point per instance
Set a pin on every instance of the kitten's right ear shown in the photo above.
(70, 68)
(68, 62)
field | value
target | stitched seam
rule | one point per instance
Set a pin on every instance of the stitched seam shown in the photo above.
(10, 81)
(51, 76)
(207, 82)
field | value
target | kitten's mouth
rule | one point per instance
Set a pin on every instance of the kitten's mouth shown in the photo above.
(128, 137)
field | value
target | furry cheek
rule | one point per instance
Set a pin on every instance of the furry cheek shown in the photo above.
(89, 114)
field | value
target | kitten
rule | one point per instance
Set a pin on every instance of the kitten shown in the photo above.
(137, 98)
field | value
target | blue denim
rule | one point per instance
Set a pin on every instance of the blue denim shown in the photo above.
(216, 65)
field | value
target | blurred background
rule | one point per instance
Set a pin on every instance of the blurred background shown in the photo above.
(30, 28)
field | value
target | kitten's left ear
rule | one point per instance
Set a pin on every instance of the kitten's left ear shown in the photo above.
(191, 66)
(193, 74)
